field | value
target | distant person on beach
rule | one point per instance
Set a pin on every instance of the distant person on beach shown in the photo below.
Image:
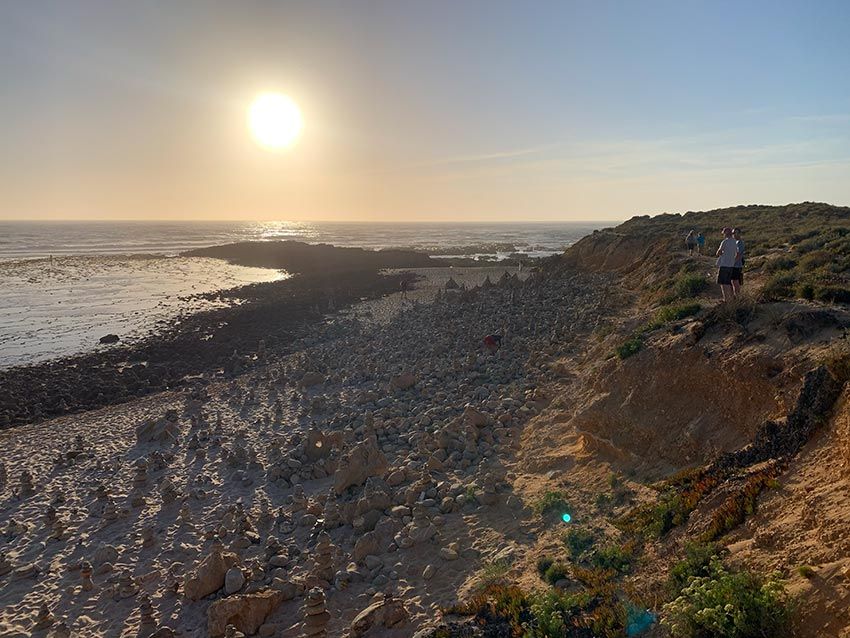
(727, 255)
(404, 285)
(493, 342)
(738, 269)
(691, 242)
(700, 243)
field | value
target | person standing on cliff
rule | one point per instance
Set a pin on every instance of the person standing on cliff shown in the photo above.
(727, 255)
(738, 269)
(691, 242)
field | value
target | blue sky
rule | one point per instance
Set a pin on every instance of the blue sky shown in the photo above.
(422, 110)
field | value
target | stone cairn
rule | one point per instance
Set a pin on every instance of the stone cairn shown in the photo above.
(148, 536)
(85, 576)
(185, 516)
(324, 562)
(168, 491)
(5, 564)
(147, 619)
(27, 488)
(317, 616)
(57, 530)
(140, 478)
(331, 516)
(126, 587)
(43, 619)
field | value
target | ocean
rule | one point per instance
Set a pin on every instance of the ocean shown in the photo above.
(26, 240)
(63, 285)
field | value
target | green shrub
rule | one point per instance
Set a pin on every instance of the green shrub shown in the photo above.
(578, 540)
(806, 571)
(779, 287)
(832, 294)
(806, 291)
(727, 604)
(544, 563)
(507, 604)
(618, 558)
(780, 263)
(494, 572)
(698, 557)
(690, 286)
(556, 572)
(814, 260)
(554, 614)
(551, 502)
(629, 347)
(674, 312)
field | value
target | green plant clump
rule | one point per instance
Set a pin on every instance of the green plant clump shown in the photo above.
(544, 563)
(629, 347)
(779, 286)
(806, 571)
(578, 541)
(554, 614)
(615, 557)
(555, 572)
(698, 557)
(551, 502)
(494, 572)
(689, 286)
(727, 604)
(666, 314)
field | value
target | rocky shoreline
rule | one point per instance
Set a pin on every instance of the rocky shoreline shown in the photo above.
(352, 484)
(259, 317)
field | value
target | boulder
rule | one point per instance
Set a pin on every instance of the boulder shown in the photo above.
(362, 461)
(475, 417)
(369, 543)
(310, 379)
(234, 580)
(163, 430)
(383, 613)
(208, 576)
(246, 612)
(403, 381)
(110, 338)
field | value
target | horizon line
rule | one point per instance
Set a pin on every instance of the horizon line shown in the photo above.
(294, 221)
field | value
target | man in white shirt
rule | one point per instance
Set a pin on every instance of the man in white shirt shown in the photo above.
(727, 255)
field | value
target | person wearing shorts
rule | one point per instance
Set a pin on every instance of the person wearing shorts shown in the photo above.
(738, 269)
(700, 243)
(727, 254)
(691, 242)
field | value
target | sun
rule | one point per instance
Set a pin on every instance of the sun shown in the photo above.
(275, 120)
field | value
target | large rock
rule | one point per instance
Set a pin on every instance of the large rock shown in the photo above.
(163, 430)
(311, 378)
(404, 381)
(234, 580)
(208, 576)
(475, 417)
(246, 612)
(384, 613)
(369, 543)
(362, 461)
(376, 496)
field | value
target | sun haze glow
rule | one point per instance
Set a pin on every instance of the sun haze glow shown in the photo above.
(275, 120)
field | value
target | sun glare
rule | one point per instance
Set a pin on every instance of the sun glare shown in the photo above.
(275, 120)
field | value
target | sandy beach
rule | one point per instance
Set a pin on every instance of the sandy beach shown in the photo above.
(363, 469)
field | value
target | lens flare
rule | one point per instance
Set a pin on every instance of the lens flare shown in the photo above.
(566, 517)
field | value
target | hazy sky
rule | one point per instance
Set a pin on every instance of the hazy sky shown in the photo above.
(431, 110)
